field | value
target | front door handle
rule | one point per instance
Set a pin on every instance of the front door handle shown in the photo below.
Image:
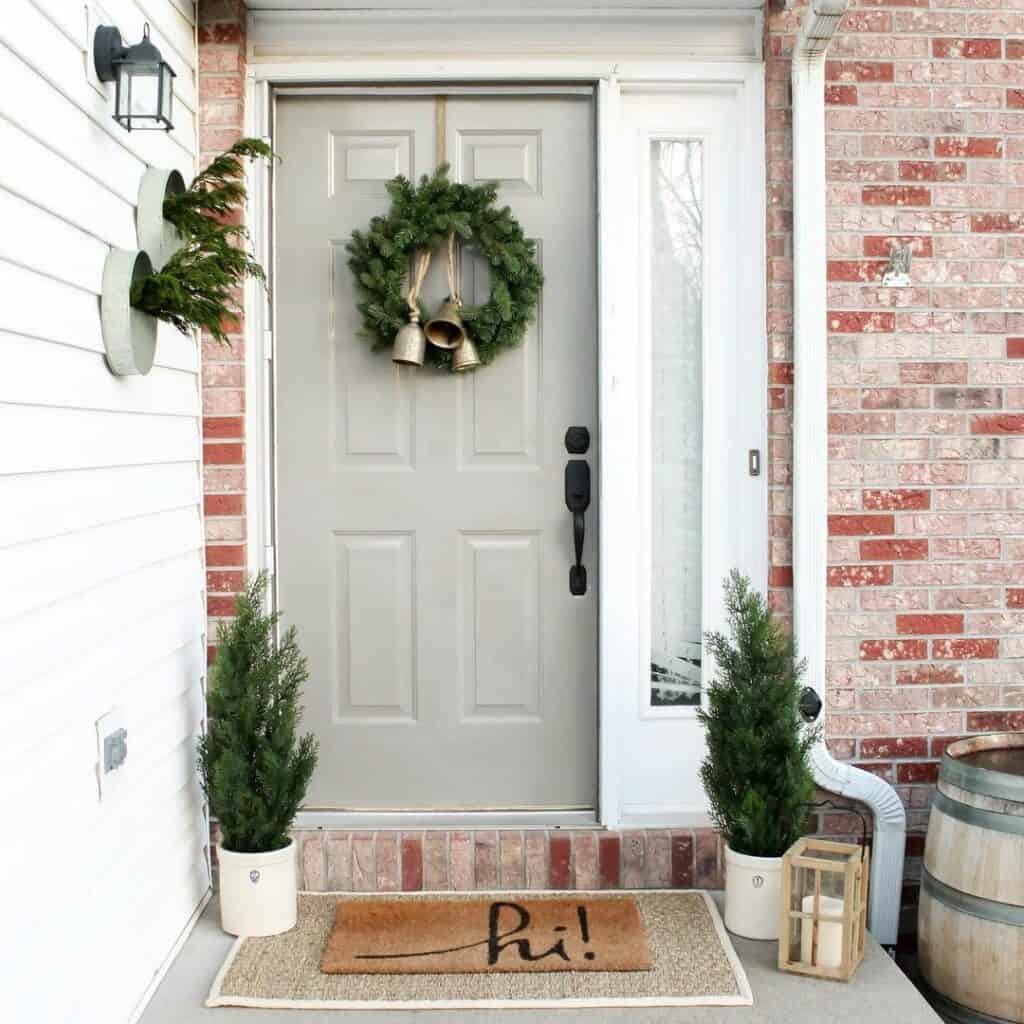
(577, 501)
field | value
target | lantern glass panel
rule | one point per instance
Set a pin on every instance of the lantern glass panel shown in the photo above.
(789, 932)
(144, 95)
(166, 96)
(142, 83)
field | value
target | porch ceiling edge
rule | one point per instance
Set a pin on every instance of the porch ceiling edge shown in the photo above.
(810, 455)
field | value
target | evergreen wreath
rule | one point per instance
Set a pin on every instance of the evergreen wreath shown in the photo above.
(198, 286)
(421, 218)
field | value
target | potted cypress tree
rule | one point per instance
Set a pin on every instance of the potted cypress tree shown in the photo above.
(757, 772)
(253, 766)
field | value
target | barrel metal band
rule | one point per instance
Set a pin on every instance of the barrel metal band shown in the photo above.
(991, 820)
(981, 780)
(956, 1013)
(975, 906)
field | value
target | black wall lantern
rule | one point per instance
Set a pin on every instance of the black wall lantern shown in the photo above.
(145, 81)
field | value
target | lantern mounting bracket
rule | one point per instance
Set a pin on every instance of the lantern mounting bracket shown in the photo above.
(107, 49)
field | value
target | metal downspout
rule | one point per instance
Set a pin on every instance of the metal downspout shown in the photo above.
(810, 455)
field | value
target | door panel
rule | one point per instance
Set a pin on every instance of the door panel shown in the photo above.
(373, 596)
(423, 539)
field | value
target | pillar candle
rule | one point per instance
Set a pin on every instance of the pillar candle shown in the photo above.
(830, 933)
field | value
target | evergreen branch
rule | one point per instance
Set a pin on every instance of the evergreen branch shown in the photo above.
(199, 284)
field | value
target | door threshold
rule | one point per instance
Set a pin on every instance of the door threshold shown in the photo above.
(408, 820)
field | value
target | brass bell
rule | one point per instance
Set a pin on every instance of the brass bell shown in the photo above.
(445, 330)
(410, 344)
(465, 357)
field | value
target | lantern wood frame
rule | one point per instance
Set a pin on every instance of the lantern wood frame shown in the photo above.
(854, 866)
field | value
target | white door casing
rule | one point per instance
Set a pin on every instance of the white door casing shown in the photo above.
(424, 539)
(650, 69)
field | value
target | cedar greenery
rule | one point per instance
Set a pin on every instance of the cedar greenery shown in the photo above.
(198, 285)
(757, 773)
(422, 217)
(253, 767)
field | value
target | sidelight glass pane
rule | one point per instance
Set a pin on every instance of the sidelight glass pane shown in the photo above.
(677, 286)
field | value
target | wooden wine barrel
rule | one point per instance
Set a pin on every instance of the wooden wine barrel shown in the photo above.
(971, 916)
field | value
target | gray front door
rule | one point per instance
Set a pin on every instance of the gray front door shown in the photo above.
(423, 539)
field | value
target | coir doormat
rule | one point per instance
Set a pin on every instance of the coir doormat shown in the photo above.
(474, 936)
(691, 961)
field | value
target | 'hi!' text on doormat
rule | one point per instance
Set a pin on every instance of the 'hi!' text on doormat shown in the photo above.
(484, 936)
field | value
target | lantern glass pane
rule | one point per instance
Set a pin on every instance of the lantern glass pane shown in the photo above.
(166, 95)
(138, 96)
(144, 83)
(841, 857)
(818, 944)
(676, 240)
(831, 883)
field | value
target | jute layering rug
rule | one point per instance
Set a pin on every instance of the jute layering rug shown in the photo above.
(670, 949)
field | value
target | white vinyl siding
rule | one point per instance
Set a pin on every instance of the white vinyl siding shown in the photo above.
(101, 544)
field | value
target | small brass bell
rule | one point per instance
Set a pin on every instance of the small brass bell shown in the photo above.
(410, 344)
(465, 357)
(445, 330)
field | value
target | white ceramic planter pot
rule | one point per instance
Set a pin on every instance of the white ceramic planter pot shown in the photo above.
(753, 888)
(258, 892)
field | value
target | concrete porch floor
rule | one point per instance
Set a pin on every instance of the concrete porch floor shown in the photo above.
(879, 991)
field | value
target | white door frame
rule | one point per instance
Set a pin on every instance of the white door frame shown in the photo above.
(621, 647)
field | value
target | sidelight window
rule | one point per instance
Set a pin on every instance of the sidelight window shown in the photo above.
(676, 196)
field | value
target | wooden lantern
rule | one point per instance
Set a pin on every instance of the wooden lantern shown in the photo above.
(824, 908)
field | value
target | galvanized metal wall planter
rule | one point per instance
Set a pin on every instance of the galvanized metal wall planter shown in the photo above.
(129, 335)
(157, 237)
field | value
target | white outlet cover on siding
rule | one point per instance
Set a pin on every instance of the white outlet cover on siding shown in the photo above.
(110, 783)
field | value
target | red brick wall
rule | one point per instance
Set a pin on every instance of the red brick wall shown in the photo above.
(925, 144)
(221, 110)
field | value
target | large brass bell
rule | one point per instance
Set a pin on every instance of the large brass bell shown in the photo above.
(446, 330)
(465, 357)
(410, 344)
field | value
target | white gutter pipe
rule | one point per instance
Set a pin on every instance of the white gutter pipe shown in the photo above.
(810, 455)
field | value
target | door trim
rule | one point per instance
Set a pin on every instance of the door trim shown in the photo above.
(619, 642)
(372, 821)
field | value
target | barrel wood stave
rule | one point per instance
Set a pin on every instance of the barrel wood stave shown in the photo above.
(969, 856)
(971, 916)
(974, 962)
